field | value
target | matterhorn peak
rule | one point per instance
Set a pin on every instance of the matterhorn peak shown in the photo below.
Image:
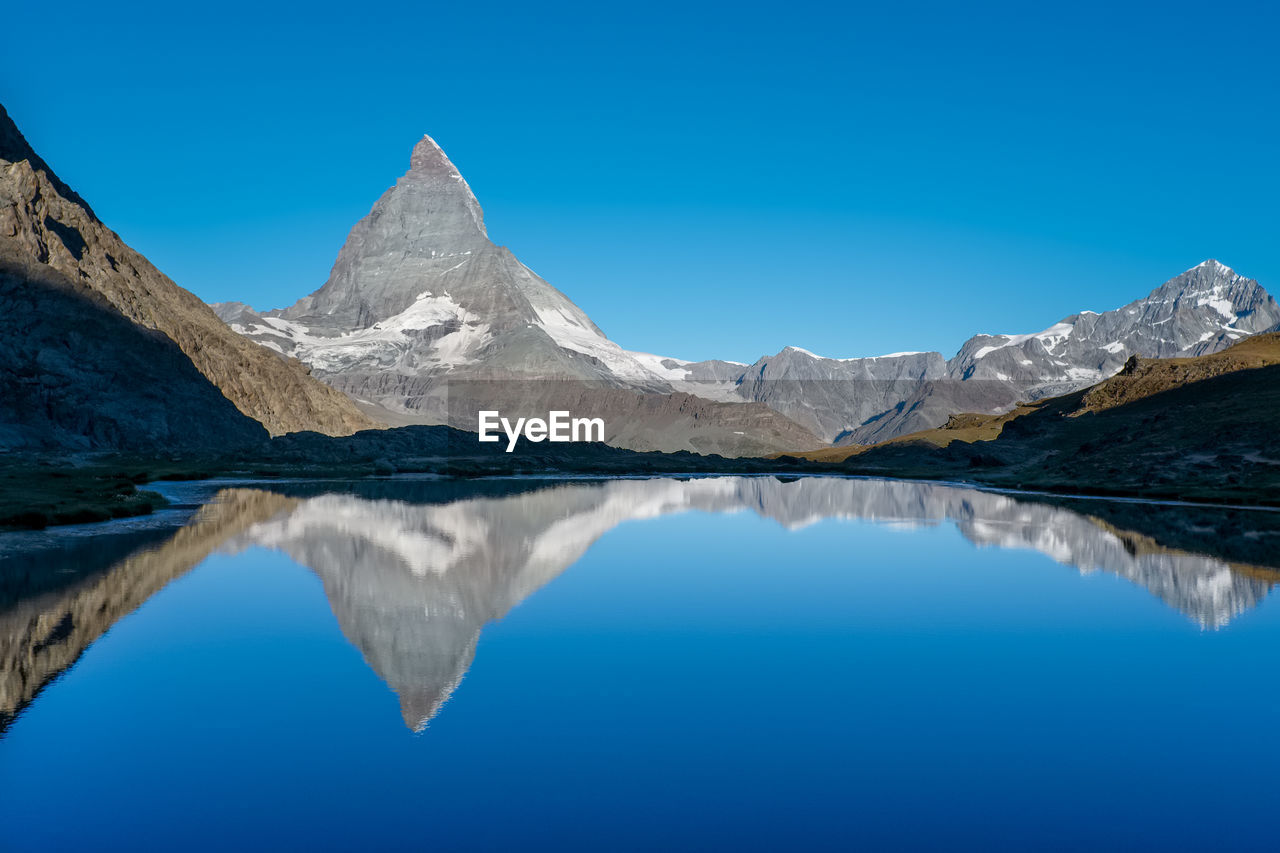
(440, 188)
(428, 158)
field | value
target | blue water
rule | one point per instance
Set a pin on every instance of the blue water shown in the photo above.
(702, 675)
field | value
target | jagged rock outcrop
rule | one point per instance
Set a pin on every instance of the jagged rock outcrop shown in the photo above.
(51, 241)
(78, 375)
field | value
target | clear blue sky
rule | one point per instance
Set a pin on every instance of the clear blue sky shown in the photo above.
(705, 181)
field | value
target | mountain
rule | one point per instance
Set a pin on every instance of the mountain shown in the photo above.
(421, 306)
(106, 351)
(1203, 310)
(826, 395)
(869, 400)
(76, 373)
(419, 292)
(1198, 428)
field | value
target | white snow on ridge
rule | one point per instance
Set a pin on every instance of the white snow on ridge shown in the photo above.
(390, 336)
(1050, 337)
(571, 334)
(854, 358)
(654, 363)
(1217, 265)
(388, 341)
(421, 549)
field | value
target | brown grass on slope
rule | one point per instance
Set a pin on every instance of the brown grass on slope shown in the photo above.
(1144, 377)
(967, 427)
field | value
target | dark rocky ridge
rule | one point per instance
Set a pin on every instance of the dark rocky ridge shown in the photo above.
(45, 227)
(77, 374)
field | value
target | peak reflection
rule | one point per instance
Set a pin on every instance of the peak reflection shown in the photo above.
(413, 585)
(414, 572)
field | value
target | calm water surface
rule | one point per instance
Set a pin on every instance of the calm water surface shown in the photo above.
(719, 663)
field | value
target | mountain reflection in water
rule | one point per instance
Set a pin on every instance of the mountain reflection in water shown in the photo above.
(413, 581)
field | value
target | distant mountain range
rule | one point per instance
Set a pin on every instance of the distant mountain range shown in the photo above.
(420, 298)
(1196, 428)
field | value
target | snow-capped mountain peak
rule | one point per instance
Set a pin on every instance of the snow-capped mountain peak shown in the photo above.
(419, 291)
(419, 296)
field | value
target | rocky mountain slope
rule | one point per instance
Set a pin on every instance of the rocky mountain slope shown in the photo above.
(59, 258)
(76, 374)
(420, 298)
(1137, 380)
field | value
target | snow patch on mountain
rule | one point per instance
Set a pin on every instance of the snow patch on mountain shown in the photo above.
(861, 358)
(1050, 337)
(382, 341)
(573, 335)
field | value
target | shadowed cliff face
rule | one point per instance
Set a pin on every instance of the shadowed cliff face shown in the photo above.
(54, 251)
(413, 583)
